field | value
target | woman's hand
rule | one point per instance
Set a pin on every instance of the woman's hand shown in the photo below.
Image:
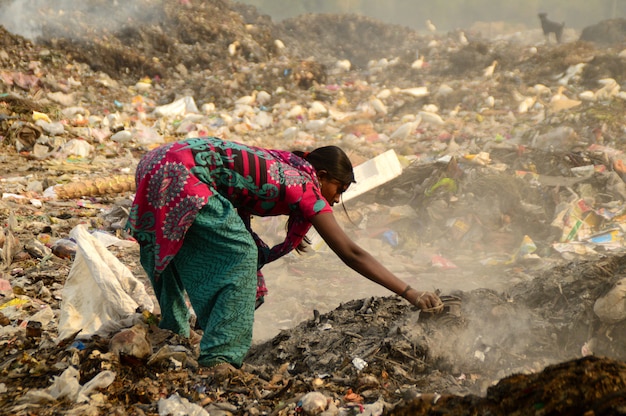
(426, 301)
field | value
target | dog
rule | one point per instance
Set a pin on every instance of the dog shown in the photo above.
(549, 26)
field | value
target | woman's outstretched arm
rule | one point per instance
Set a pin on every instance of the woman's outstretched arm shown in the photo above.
(364, 263)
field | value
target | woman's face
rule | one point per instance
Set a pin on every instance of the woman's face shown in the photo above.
(331, 188)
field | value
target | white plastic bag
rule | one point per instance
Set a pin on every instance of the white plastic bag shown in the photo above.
(179, 406)
(180, 107)
(98, 289)
(67, 386)
(611, 308)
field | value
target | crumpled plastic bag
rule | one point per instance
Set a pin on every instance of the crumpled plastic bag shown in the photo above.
(76, 147)
(611, 308)
(98, 289)
(145, 135)
(66, 386)
(179, 406)
(180, 107)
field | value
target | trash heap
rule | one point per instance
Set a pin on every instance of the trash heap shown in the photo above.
(510, 198)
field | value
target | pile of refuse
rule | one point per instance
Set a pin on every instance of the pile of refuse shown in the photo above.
(502, 187)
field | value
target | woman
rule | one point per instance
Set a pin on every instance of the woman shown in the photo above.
(191, 217)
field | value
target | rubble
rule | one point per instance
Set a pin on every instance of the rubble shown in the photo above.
(510, 200)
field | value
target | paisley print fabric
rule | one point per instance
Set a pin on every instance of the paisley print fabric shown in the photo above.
(176, 180)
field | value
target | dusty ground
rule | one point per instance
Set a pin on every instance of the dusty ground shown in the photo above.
(532, 344)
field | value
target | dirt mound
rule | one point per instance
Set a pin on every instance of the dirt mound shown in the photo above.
(10, 40)
(608, 32)
(357, 38)
(586, 386)
(154, 40)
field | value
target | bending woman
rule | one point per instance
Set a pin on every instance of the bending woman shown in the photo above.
(191, 217)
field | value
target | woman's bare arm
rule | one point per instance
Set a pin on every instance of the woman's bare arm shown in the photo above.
(364, 263)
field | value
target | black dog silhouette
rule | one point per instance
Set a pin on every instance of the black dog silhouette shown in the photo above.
(549, 26)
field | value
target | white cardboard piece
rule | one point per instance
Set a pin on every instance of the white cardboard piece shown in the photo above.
(368, 175)
(373, 173)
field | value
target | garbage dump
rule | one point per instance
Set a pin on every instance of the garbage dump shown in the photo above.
(501, 188)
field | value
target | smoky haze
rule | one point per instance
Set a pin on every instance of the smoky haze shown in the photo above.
(27, 17)
(453, 14)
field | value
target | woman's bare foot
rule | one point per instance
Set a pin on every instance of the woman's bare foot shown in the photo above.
(194, 337)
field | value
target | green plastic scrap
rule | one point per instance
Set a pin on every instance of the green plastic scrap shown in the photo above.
(446, 183)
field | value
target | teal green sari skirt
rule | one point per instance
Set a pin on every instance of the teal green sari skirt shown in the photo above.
(216, 266)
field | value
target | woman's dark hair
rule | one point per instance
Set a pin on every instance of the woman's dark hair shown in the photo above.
(334, 161)
(331, 159)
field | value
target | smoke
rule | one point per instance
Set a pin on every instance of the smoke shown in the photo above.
(17, 17)
(29, 18)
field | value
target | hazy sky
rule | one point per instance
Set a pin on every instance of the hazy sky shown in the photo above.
(452, 14)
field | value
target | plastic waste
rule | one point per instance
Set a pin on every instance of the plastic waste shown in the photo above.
(179, 107)
(25, 134)
(78, 345)
(481, 158)
(527, 248)
(123, 136)
(76, 147)
(583, 171)
(146, 136)
(100, 381)
(391, 237)
(563, 137)
(612, 239)
(98, 288)
(313, 403)
(178, 355)
(67, 386)
(611, 308)
(109, 328)
(441, 262)
(64, 248)
(359, 363)
(52, 129)
(108, 239)
(36, 248)
(373, 409)
(179, 406)
(132, 342)
(431, 117)
(44, 316)
(12, 309)
(458, 228)
(40, 116)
